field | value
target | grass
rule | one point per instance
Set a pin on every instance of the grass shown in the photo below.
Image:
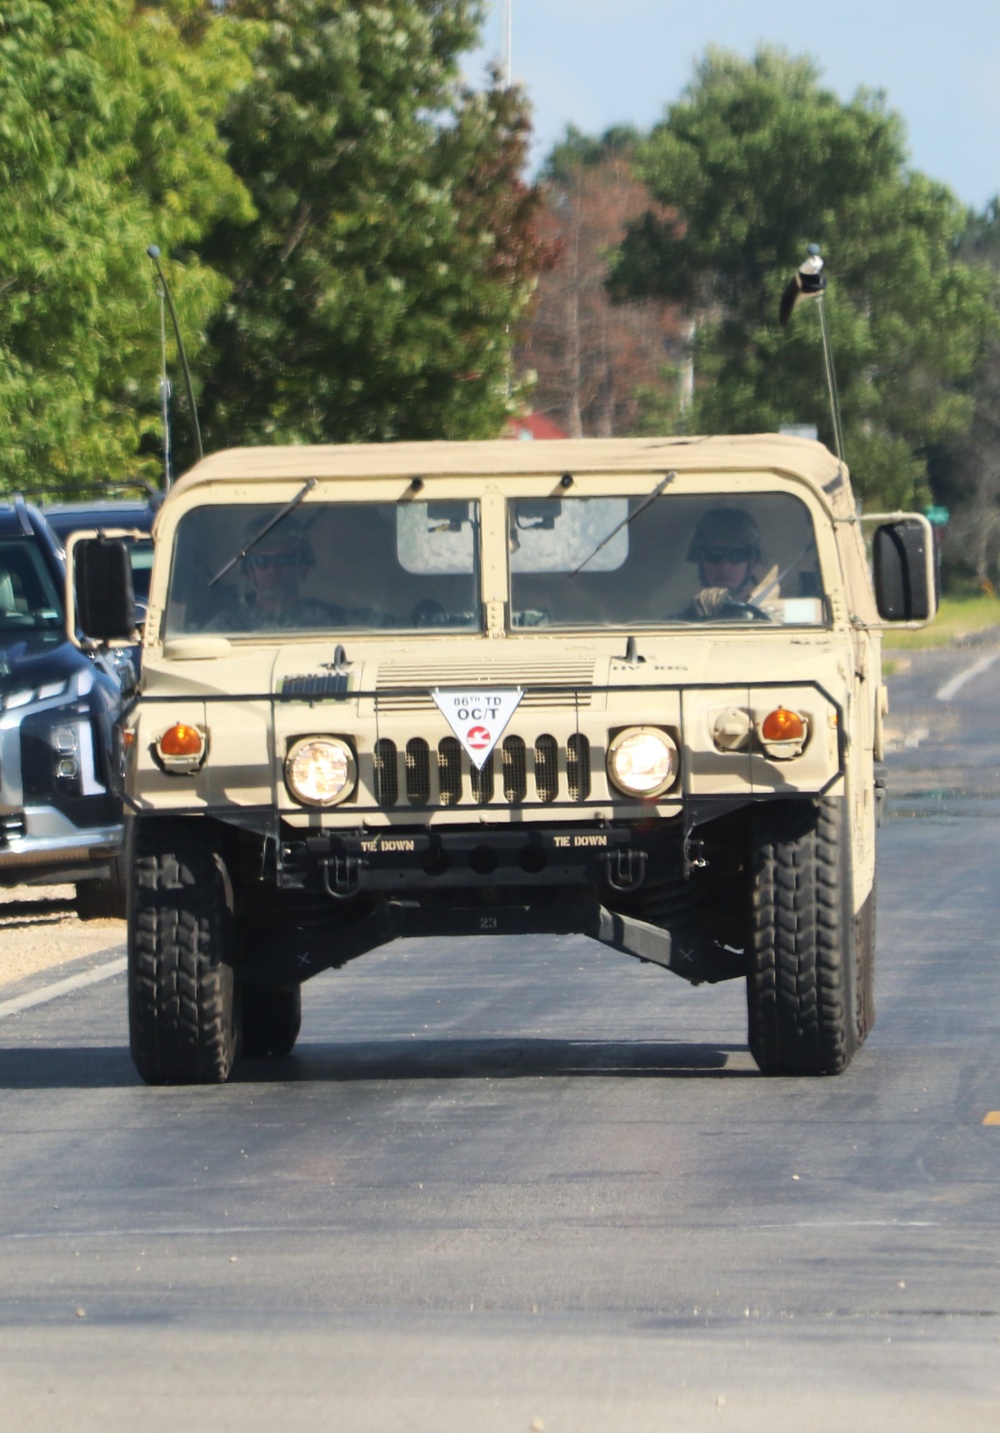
(956, 617)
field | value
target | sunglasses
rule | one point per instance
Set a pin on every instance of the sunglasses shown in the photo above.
(258, 560)
(733, 555)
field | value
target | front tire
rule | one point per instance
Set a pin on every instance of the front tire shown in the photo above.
(183, 1015)
(802, 997)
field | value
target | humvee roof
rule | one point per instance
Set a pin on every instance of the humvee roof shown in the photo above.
(781, 454)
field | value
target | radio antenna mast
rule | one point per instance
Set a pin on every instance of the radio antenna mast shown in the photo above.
(154, 253)
(508, 60)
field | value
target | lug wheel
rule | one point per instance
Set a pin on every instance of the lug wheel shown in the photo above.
(183, 1015)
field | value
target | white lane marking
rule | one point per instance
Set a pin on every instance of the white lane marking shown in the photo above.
(61, 987)
(957, 683)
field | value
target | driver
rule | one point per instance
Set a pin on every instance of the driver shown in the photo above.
(726, 546)
(275, 569)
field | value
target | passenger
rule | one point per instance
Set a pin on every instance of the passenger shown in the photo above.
(726, 546)
(275, 569)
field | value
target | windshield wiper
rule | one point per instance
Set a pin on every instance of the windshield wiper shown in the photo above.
(263, 533)
(625, 522)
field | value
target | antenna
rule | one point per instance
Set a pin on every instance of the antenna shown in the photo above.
(810, 283)
(154, 253)
(508, 59)
(165, 392)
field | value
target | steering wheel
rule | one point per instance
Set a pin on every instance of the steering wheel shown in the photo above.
(748, 611)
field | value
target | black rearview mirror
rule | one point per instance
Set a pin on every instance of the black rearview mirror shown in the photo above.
(903, 563)
(105, 600)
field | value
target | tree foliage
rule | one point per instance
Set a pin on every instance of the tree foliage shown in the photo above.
(379, 290)
(108, 142)
(757, 160)
(599, 368)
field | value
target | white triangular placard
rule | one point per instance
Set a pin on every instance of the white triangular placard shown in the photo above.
(478, 717)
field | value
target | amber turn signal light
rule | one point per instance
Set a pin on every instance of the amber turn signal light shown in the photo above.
(181, 740)
(182, 748)
(783, 725)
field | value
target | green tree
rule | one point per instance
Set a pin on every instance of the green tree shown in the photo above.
(108, 142)
(379, 291)
(757, 160)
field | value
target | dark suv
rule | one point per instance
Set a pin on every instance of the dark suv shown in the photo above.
(59, 819)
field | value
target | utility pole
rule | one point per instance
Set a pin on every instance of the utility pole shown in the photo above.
(507, 45)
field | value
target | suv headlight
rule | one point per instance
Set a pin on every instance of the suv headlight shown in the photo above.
(643, 761)
(320, 770)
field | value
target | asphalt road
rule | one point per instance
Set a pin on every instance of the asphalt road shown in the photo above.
(536, 1185)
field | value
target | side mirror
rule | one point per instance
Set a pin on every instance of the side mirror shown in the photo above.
(104, 598)
(903, 563)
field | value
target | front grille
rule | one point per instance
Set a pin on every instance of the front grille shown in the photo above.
(421, 775)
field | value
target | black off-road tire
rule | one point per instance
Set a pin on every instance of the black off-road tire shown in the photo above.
(272, 1019)
(104, 899)
(802, 987)
(183, 1007)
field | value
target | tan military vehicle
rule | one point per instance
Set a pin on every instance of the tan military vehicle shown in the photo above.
(629, 689)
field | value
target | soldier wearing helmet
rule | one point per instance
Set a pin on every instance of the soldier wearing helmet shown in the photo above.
(274, 568)
(726, 546)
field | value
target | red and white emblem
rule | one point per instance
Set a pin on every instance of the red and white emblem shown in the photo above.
(478, 717)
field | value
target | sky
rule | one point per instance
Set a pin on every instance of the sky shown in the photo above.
(596, 63)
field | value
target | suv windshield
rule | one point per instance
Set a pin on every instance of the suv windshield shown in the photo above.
(29, 597)
(326, 567)
(626, 561)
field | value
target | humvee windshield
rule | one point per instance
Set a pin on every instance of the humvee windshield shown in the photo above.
(396, 567)
(325, 567)
(628, 561)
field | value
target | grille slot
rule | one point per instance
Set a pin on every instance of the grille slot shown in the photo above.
(546, 768)
(578, 767)
(515, 770)
(483, 781)
(418, 772)
(386, 773)
(450, 771)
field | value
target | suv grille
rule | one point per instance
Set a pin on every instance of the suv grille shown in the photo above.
(422, 775)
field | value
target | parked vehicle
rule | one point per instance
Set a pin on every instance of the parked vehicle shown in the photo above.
(626, 688)
(60, 820)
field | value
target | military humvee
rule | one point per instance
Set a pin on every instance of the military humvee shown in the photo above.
(467, 688)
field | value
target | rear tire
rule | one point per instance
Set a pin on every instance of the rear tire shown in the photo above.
(802, 993)
(183, 1015)
(272, 1019)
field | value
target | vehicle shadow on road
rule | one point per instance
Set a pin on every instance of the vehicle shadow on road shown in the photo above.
(110, 1067)
(496, 1059)
(41, 1067)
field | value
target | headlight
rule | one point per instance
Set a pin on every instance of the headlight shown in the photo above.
(320, 770)
(643, 761)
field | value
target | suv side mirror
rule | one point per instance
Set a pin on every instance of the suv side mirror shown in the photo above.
(102, 577)
(903, 563)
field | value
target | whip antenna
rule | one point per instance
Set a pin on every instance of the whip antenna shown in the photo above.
(810, 283)
(154, 253)
(165, 392)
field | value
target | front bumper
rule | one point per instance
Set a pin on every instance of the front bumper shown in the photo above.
(425, 860)
(40, 843)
